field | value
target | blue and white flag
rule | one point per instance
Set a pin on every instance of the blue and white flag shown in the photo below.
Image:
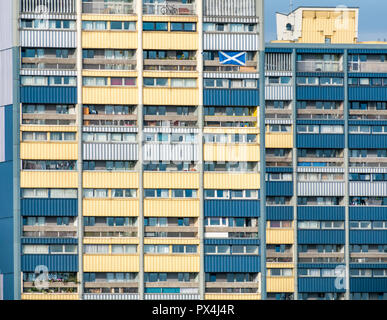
(232, 58)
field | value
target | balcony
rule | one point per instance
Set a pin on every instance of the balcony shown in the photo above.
(169, 65)
(169, 9)
(108, 7)
(372, 67)
(319, 66)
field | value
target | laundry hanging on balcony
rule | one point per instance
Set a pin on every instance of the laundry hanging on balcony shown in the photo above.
(232, 58)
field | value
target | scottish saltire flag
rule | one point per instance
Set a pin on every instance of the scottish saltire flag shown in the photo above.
(232, 58)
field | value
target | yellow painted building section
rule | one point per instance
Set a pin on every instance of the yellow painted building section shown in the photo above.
(340, 27)
(279, 140)
(111, 263)
(231, 180)
(227, 296)
(48, 179)
(276, 265)
(171, 263)
(171, 96)
(231, 152)
(110, 207)
(108, 39)
(171, 241)
(171, 208)
(109, 17)
(280, 284)
(43, 128)
(279, 236)
(107, 240)
(109, 95)
(110, 180)
(180, 18)
(109, 73)
(48, 151)
(50, 296)
(166, 74)
(225, 130)
(171, 180)
(153, 40)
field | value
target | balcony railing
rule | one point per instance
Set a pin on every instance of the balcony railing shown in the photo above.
(319, 66)
(169, 9)
(104, 7)
(376, 67)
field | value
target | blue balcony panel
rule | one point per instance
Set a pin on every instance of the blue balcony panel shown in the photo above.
(279, 213)
(229, 263)
(54, 262)
(321, 236)
(231, 208)
(49, 207)
(326, 213)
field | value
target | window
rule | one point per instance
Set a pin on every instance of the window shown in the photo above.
(95, 81)
(123, 25)
(96, 249)
(163, 249)
(183, 26)
(156, 193)
(94, 25)
(124, 249)
(95, 193)
(155, 26)
(183, 83)
(156, 82)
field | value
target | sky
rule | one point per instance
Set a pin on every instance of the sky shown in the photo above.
(372, 15)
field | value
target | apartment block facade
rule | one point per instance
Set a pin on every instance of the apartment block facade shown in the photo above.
(133, 165)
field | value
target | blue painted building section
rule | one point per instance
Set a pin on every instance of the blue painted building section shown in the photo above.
(330, 141)
(364, 213)
(54, 262)
(368, 237)
(311, 213)
(321, 237)
(231, 208)
(367, 141)
(49, 207)
(317, 93)
(59, 95)
(6, 212)
(230, 263)
(311, 284)
(278, 213)
(284, 188)
(231, 97)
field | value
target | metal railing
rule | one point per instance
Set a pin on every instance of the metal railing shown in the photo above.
(319, 66)
(376, 67)
(169, 9)
(102, 7)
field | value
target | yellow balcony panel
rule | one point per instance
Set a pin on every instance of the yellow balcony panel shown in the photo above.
(50, 296)
(281, 236)
(109, 73)
(110, 207)
(171, 180)
(153, 40)
(112, 240)
(224, 130)
(109, 40)
(164, 74)
(180, 18)
(108, 17)
(108, 95)
(231, 180)
(171, 241)
(48, 179)
(43, 128)
(48, 151)
(171, 96)
(279, 140)
(280, 284)
(111, 263)
(171, 208)
(171, 263)
(282, 265)
(228, 296)
(110, 180)
(231, 152)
